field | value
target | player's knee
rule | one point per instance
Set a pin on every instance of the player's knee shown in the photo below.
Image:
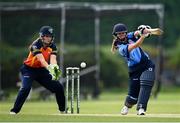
(148, 77)
(130, 101)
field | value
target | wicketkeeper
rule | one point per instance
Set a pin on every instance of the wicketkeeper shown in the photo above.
(41, 66)
(141, 68)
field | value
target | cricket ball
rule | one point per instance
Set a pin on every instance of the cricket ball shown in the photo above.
(83, 64)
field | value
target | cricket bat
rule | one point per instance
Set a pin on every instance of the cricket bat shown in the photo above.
(155, 31)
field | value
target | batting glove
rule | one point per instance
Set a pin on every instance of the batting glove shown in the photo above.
(142, 30)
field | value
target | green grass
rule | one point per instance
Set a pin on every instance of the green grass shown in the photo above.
(107, 109)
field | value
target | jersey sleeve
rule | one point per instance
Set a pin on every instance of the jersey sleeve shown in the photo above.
(132, 37)
(35, 48)
(123, 50)
(54, 49)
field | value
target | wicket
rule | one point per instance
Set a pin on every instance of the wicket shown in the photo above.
(72, 74)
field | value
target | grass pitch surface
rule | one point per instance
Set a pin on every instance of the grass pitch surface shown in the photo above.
(107, 109)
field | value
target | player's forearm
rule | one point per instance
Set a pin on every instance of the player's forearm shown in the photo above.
(53, 59)
(44, 63)
(136, 44)
(42, 60)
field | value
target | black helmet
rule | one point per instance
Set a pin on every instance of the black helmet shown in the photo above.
(119, 28)
(46, 30)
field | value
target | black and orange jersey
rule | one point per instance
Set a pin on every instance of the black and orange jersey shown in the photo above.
(36, 48)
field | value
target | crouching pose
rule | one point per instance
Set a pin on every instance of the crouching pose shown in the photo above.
(41, 66)
(141, 68)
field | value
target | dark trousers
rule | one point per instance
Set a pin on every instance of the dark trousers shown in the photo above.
(42, 76)
(134, 84)
(140, 85)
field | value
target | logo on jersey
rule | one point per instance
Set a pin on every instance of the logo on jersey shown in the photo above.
(150, 69)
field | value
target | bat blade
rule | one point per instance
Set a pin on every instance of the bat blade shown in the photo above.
(156, 31)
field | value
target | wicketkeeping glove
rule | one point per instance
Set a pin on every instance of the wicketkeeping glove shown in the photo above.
(57, 71)
(54, 71)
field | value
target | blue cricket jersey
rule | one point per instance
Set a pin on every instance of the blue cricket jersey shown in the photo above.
(136, 59)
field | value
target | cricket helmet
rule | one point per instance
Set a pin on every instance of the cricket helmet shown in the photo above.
(46, 30)
(120, 27)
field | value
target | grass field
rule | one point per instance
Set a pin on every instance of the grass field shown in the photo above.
(107, 109)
